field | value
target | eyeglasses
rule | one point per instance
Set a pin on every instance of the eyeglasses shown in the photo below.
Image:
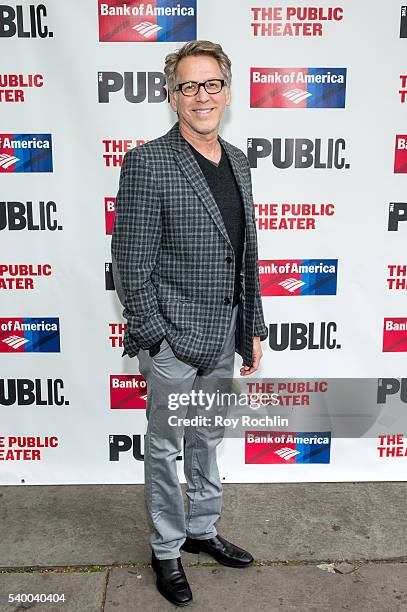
(191, 88)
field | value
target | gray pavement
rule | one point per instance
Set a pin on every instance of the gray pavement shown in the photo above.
(318, 547)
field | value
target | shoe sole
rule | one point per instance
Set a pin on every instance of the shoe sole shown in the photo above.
(196, 551)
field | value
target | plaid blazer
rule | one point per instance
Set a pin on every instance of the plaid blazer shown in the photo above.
(171, 255)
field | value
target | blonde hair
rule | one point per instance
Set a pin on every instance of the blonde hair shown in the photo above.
(197, 47)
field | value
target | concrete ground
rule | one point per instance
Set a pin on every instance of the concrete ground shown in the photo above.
(318, 547)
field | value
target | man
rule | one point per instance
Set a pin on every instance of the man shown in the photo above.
(185, 259)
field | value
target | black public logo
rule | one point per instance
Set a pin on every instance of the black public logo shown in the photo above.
(287, 153)
(32, 392)
(397, 214)
(121, 443)
(109, 282)
(17, 216)
(24, 21)
(403, 22)
(300, 336)
(388, 387)
(137, 86)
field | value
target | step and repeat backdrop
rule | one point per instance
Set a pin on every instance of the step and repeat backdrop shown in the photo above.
(319, 106)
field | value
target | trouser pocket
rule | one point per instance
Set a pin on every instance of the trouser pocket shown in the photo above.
(155, 349)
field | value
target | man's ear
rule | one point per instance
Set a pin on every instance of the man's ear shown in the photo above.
(228, 95)
(173, 101)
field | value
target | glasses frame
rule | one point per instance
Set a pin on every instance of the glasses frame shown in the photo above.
(203, 84)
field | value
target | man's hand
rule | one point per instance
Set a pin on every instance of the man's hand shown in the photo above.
(257, 355)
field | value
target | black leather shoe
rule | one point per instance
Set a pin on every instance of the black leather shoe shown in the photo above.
(220, 549)
(171, 580)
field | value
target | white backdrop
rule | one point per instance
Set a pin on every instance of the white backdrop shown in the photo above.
(96, 441)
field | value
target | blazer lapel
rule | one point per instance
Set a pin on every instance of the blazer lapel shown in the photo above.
(193, 173)
(247, 202)
(237, 171)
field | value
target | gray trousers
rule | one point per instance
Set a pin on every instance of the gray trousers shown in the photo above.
(164, 374)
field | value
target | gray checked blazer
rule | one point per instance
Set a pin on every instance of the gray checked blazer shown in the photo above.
(173, 263)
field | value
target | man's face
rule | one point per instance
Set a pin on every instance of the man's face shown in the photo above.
(200, 113)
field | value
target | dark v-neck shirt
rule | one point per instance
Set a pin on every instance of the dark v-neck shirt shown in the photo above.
(224, 188)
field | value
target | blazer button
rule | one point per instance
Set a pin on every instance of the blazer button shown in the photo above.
(226, 300)
(228, 259)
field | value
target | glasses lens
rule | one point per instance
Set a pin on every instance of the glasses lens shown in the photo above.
(213, 86)
(189, 89)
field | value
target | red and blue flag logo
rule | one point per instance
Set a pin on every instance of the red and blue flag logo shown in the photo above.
(297, 87)
(29, 335)
(265, 447)
(154, 21)
(128, 392)
(395, 335)
(25, 153)
(293, 277)
(400, 154)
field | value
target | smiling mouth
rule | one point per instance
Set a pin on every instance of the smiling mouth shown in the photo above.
(203, 111)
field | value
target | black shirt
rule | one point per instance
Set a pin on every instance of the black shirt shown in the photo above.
(224, 188)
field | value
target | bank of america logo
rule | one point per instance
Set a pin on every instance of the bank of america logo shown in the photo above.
(147, 29)
(291, 284)
(297, 95)
(21, 153)
(152, 21)
(287, 453)
(15, 341)
(7, 160)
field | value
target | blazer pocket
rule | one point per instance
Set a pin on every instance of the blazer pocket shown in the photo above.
(185, 316)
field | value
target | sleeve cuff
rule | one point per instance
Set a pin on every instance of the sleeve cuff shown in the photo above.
(262, 333)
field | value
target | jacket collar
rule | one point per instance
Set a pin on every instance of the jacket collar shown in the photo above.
(190, 168)
(178, 142)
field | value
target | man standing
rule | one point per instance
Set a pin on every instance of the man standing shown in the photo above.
(184, 251)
